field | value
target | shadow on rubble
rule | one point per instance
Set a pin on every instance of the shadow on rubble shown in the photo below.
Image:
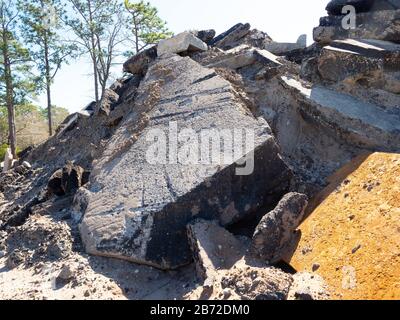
(48, 235)
(335, 181)
(334, 184)
(139, 282)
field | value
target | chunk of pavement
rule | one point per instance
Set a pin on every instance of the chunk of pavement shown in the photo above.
(242, 56)
(67, 180)
(273, 238)
(308, 286)
(139, 63)
(15, 259)
(206, 36)
(139, 206)
(27, 165)
(108, 102)
(8, 160)
(256, 282)
(228, 39)
(66, 274)
(183, 42)
(214, 248)
(71, 121)
(71, 179)
(282, 48)
(359, 123)
(302, 40)
(54, 183)
(309, 69)
(364, 60)
(371, 48)
(379, 25)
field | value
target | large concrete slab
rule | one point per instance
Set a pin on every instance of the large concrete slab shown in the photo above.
(360, 123)
(368, 47)
(137, 209)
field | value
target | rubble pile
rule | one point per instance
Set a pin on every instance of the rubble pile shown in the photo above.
(129, 177)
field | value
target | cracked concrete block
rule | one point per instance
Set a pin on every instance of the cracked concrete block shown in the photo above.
(138, 208)
(182, 42)
(214, 248)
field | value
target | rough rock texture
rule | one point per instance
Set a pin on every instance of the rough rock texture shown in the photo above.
(54, 185)
(230, 272)
(352, 235)
(275, 237)
(213, 247)
(206, 36)
(379, 25)
(229, 38)
(372, 63)
(359, 123)
(246, 281)
(308, 286)
(8, 159)
(139, 211)
(138, 64)
(183, 42)
(242, 56)
(324, 105)
(283, 48)
(108, 103)
(241, 34)
(68, 180)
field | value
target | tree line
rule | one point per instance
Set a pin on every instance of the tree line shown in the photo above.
(38, 37)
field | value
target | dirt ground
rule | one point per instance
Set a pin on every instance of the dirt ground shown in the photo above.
(353, 237)
(48, 265)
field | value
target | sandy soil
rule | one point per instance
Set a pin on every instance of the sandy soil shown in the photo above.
(352, 239)
(43, 256)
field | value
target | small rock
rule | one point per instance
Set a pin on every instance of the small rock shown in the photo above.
(2, 254)
(209, 283)
(315, 267)
(27, 165)
(66, 273)
(356, 249)
(227, 293)
(275, 235)
(139, 63)
(304, 294)
(15, 259)
(205, 35)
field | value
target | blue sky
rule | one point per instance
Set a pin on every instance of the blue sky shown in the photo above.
(283, 20)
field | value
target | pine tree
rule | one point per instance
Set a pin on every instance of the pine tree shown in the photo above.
(147, 27)
(40, 26)
(16, 81)
(98, 24)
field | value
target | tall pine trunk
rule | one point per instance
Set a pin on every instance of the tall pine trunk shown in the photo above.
(93, 54)
(48, 84)
(12, 135)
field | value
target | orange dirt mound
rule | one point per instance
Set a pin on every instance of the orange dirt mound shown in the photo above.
(352, 236)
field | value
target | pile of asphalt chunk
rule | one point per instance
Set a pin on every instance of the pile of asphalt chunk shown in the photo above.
(138, 210)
